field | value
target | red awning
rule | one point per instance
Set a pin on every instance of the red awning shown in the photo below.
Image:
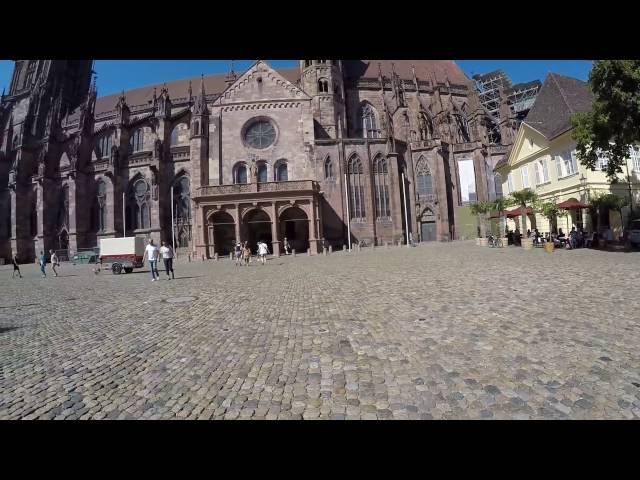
(572, 205)
(516, 212)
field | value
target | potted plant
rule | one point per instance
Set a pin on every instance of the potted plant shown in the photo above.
(524, 198)
(551, 212)
(500, 206)
(480, 210)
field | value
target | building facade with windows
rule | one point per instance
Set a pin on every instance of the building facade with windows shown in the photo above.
(378, 148)
(543, 159)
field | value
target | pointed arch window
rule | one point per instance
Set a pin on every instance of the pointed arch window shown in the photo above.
(462, 126)
(381, 184)
(139, 209)
(136, 141)
(357, 209)
(182, 199)
(370, 127)
(424, 180)
(328, 169)
(104, 146)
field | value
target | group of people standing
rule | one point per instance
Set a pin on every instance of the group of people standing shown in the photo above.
(242, 253)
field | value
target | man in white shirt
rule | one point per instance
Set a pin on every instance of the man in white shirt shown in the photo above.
(151, 252)
(167, 257)
(262, 252)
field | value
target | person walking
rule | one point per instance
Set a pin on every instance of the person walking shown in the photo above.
(54, 262)
(167, 257)
(151, 253)
(262, 252)
(238, 253)
(246, 253)
(16, 266)
(42, 260)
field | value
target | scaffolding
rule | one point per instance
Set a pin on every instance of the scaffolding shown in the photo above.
(522, 96)
(488, 87)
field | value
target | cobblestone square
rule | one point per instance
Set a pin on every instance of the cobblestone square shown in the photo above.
(441, 331)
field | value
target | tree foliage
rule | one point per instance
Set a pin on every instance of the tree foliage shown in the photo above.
(550, 210)
(613, 124)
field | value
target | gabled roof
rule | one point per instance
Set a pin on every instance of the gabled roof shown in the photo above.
(558, 98)
(213, 84)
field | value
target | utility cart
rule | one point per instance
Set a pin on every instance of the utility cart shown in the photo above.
(124, 253)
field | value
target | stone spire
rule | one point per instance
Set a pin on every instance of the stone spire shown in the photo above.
(200, 106)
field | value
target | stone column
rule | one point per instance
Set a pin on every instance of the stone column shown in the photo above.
(313, 235)
(238, 220)
(73, 215)
(275, 230)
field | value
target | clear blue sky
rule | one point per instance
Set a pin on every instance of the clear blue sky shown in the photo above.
(117, 75)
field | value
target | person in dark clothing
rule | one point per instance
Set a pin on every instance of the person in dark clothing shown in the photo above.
(16, 266)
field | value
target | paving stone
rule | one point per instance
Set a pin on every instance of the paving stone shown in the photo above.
(479, 353)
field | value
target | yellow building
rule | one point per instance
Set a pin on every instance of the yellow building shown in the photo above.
(543, 158)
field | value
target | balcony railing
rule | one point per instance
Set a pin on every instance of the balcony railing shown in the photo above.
(294, 185)
(427, 197)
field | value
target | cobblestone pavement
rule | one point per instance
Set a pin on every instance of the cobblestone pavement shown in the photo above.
(442, 331)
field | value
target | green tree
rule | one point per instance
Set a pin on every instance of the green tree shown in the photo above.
(551, 211)
(500, 205)
(609, 201)
(480, 209)
(524, 198)
(613, 124)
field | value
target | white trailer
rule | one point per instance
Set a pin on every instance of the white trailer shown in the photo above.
(124, 253)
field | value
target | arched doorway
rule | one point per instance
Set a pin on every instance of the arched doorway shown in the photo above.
(428, 230)
(222, 230)
(257, 227)
(294, 225)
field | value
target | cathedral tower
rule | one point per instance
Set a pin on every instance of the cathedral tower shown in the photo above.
(323, 81)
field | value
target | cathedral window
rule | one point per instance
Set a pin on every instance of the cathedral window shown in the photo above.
(328, 168)
(136, 142)
(282, 172)
(369, 122)
(381, 184)
(424, 180)
(182, 199)
(322, 62)
(262, 172)
(139, 210)
(31, 70)
(100, 208)
(357, 209)
(307, 63)
(260, 134)
(323, 86)
(104, 146)
(196, 127)
(240, 173)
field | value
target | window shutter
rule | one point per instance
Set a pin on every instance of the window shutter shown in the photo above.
(536, 166)
(545, 170)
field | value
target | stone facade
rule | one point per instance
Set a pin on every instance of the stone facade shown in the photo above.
(308, 154)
